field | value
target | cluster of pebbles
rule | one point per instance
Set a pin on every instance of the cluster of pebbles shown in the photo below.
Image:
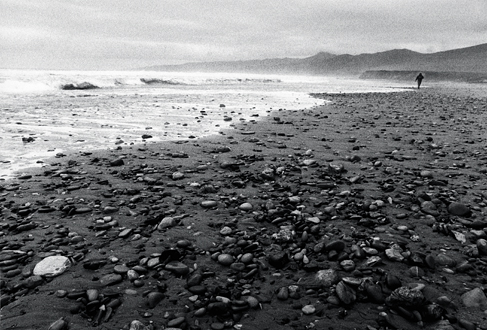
(365, 214)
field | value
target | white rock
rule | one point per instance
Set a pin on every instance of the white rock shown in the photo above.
(52, 266)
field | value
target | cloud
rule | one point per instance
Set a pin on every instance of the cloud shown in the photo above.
(111, 33)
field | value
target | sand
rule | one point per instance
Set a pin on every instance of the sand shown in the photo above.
(377, 171)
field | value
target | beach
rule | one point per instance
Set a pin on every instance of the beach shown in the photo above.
(366, 212)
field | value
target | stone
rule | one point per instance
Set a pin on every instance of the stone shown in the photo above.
(33, 281)
(59, 324)
(208, 204)
(111, 279)
(252, 301)
(475, 298)
(176, 322)
(326, 277)
(405, 297)
(154, 298)
(459, 209)
(337, 245)
(167, 222)
(347, 265)
(137, 325)
(177, 268)
(92, 294)
(278, 259)
(444, 260)
(246, 207)
(120, 269)
(308, 309)
(225, 259)
(394, 253)
(482, 246)
(247, 258)
(117, 162)
(52, 266)
(345, 293)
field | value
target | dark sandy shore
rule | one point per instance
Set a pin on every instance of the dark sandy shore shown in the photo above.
(368, 213)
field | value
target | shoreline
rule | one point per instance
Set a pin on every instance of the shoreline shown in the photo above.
(359, 191)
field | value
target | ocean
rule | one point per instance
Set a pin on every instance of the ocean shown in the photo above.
(43, 114)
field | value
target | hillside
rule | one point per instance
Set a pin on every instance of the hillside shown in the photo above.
(469, 77)
(470, 59)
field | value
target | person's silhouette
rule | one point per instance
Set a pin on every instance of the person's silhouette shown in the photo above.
(419, 79)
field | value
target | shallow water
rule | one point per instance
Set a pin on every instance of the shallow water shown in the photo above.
(40, 120)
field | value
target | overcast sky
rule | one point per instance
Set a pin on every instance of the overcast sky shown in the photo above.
(125, 34)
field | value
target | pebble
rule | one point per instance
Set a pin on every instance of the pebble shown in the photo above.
(226, 259)
(111, 279)
(208, 204)
(52, 266)
(459, 209)
(345, 293)
(482, 246)
(305, 228)
(326, 277)
(308, 309)
(475, 298)
(154, 298)
(177, 268)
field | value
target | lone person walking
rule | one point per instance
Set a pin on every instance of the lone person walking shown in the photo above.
(419, 79)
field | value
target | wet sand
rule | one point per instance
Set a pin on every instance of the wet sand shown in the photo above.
(382, 195)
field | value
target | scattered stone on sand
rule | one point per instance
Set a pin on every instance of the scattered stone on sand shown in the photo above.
(300, 224)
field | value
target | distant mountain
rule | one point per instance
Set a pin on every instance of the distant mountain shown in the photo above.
(470, 59)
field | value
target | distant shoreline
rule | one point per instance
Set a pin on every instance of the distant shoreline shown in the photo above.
(469, 77)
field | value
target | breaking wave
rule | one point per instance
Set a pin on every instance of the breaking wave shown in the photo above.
(45, 82)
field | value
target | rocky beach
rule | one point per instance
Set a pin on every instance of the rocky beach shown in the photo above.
(366, 213)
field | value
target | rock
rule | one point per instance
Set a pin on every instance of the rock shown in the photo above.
(252, 301)
(247, 258)
(345, 293)
(177, 268)
(475, 298)
(444, 260)
(125, 233)
(59, 324)
(467, 325)
(283, 293)
(33, 281)
(405, 297)
(225, 231)
(374, 292)
(347, 265)
(482, 246)
(176, 322)
(326, 277)
(111, 279)
(177, 176)
(117, 162)
(154, 298)
(459, 209)
(394, 253)
(246, 207)
(337, 246)
(137, 325)
(120, 269)
(225, 259)
(92, 294)
(393, 282)
(308, 309)
(167, 222)
(52, 266)
(208, 204)
(278, 259)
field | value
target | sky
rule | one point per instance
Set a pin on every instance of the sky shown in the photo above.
(122, 34)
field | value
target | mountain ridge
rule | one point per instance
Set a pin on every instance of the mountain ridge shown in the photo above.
(468, 59)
